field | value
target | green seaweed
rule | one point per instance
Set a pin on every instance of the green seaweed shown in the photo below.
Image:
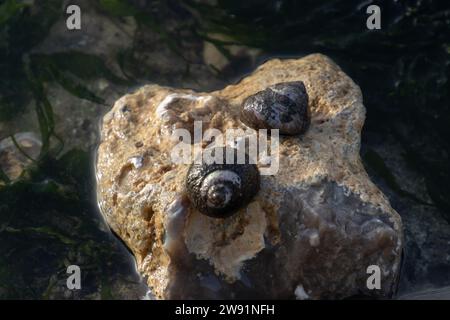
(21, 29)
(8, 9)
(106, 291)
(42, 231)
(119, 8)
(44, 112)
(82, 65)
(47, 221)
(51, 72)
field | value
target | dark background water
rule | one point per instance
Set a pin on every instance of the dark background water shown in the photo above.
(55, 84)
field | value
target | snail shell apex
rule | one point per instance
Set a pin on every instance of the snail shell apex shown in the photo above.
(283, 106)
(219, 190)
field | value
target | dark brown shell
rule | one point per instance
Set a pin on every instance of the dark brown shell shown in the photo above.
(283, 106)
(213, 193)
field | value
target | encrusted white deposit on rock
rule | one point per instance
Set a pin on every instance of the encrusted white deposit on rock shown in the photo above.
(309, 233)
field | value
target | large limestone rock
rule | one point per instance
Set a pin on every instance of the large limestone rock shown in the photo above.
(311, 231)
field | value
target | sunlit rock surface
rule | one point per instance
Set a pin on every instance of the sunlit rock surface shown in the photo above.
(312, 230)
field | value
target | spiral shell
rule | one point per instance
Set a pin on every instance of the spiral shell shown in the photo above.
(283, 106)
(218, 190)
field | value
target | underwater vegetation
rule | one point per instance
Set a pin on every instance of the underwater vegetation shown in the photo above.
(48, 216)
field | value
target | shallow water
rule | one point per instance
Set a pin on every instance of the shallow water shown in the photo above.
(58, 83)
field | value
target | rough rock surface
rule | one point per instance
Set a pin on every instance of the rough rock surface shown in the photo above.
(311, 231)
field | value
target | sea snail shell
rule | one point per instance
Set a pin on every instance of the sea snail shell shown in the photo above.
(283, 106)
(218, 190)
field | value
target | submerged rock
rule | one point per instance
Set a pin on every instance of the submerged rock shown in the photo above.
(14, 160)
(311, 231)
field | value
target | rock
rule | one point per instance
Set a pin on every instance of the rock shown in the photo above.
(430, 294)
(99, 35)
(425, 269)
(216, 59)
(13, 160)
(312, 230)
